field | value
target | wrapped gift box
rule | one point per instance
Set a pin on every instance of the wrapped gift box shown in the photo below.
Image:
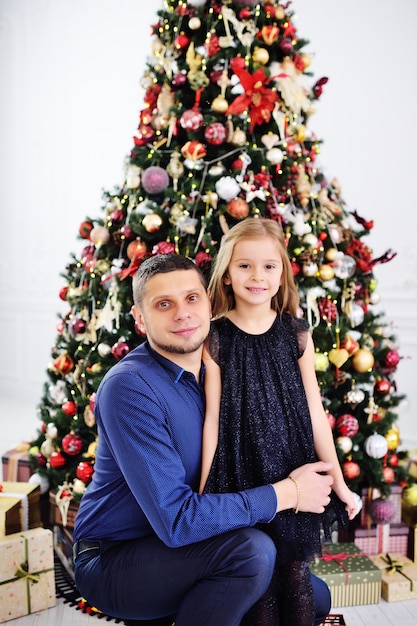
(63, 546)
(399, 576)
(352, 577)
(11, 518)
(29, 495)
(382, 538)
(27, 580)
(15, 464)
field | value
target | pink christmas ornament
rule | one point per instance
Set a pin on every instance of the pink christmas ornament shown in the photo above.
(215, 134)
(382, 511)
(347, 425)
(155, 180)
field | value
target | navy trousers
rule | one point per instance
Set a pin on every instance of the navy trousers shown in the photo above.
(206, 583)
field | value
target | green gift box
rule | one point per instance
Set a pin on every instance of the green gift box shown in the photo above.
(27, 578)
(352, 577)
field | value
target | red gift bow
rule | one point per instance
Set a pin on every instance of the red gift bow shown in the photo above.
(338, 557)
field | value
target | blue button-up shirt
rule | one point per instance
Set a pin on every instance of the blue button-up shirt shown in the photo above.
(150, 416)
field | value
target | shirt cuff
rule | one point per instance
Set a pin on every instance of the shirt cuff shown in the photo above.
(263, 503)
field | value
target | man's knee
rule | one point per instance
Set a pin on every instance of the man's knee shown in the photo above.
(258, 551)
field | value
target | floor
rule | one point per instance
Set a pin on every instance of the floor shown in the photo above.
(382, 614)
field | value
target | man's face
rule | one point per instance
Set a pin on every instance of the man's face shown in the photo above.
(175, 313)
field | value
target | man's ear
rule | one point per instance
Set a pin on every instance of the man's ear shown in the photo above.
(138, 317)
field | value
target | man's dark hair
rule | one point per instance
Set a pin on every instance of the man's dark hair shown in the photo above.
(161, 264)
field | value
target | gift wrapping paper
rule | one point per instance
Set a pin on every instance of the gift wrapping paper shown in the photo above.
(27, 580)
(352, 577)
(382, 538)
(15, 464)
(11, 517)
(399, 576)
(29, 495)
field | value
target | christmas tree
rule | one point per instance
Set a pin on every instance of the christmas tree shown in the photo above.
(224, 133)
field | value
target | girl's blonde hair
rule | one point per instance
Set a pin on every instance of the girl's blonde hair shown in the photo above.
(221, 295)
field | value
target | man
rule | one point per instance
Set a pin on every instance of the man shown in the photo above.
(148, 548)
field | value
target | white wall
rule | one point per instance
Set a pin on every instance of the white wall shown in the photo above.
(70, 97)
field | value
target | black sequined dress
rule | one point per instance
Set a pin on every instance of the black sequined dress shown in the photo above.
(265, 427)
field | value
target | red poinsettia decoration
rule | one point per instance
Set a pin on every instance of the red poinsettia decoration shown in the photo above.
(258, 99)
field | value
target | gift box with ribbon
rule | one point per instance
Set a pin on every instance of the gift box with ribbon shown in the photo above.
(399, 576)
(27, 580)
(28, 496)
(382, 538)
(351, 575)
(15, 464)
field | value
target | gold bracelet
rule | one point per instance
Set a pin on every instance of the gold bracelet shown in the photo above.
(297, 486)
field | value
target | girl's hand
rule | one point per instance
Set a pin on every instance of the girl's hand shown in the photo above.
(352, 502)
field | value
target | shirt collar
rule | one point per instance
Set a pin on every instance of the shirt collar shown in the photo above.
(172, 368)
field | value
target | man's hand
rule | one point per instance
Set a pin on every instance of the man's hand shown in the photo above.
(307, 490)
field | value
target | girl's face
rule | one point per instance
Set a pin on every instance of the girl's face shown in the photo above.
(255, 271)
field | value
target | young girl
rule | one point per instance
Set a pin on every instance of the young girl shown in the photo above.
(264, 415)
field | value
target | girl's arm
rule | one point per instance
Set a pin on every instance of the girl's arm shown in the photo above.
(322, 433)
(213, 390)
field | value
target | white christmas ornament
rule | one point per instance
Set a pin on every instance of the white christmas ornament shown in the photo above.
(227, 188)
(376, 446)
(42, 481)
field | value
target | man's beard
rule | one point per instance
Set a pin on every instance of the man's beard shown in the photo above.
(172, 349)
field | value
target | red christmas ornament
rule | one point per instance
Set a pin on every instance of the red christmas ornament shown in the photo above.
(92, 400)
(181, 41)
(63, 293)
(179, 80)
(191, 120)
(63, 364)
(388, 474)
(85, 229)
(193, 150)
(296, 269)
(392, 359)
(393, 460)
(215, 134)
(57, 460)
(117, 215)
(136, 250)
(328, 309)
(69, 408)
(120, 349)
(351, 470)
(382, 511)
(238, 208)
(41, 459)
(77, 326)
(382, 386)
(72, 444)
(332, 420)
(347, 425)
(84, 471)
(127, 232)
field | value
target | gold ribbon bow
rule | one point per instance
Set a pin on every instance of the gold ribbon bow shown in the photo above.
(396, 566)
(22, 572)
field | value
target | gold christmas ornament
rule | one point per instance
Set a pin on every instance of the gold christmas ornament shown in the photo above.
(363, 360)
(338, 356)
(326, 272)
(220, 105)
(152, 222)
(393, 439)
(260, 56)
